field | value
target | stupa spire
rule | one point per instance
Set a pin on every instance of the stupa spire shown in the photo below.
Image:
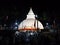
(30, 14)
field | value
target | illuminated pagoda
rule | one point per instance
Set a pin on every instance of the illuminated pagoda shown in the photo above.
(30, 23)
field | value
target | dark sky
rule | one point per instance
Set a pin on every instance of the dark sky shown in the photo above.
(19, 9)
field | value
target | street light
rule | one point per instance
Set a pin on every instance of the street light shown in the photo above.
(17, 33)
(31, 33)
(16, 23)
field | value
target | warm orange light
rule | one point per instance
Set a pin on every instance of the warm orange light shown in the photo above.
(26, 29)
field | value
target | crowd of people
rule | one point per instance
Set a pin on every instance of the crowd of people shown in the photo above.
(27, 38)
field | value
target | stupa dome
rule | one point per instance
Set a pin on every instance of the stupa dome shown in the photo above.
(30, 23)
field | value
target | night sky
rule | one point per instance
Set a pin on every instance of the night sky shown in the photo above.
(19, 9)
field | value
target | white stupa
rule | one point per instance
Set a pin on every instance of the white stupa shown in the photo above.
(30, 23)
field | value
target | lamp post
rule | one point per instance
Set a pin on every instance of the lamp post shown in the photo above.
(16, 25)
(36, 21)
